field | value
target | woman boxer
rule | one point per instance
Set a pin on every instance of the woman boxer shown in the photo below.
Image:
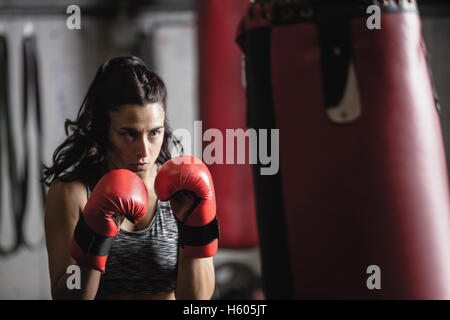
(121, 124)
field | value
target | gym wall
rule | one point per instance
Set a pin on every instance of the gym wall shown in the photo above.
(67, 62)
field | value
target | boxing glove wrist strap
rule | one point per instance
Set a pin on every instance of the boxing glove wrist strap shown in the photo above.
(89, 241)
(198, 236)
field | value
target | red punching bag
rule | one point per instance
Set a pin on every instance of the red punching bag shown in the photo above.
(222, 106)
(365, 200)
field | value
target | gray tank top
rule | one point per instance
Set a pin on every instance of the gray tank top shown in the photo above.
(144, 261)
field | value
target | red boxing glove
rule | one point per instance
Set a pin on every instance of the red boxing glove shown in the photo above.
(118, 192)
(199, 232)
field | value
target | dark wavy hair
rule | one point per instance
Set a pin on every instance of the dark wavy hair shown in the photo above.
(118, 82)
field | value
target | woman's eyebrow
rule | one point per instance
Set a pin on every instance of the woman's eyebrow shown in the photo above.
(137, 130)
(128, 129)
(156, 128)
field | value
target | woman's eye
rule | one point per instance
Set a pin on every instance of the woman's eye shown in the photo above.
(154, 134)
(126, 134)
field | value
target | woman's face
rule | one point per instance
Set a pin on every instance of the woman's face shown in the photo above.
(135, 137)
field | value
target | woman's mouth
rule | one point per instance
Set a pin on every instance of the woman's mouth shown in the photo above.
(138, 166)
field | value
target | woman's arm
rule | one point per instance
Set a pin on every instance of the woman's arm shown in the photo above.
(187, 183)
(63, 206)
(195, 279)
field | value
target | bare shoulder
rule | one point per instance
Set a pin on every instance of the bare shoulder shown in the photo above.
(66, 197)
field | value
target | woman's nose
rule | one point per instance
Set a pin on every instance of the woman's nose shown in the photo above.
(142, 148)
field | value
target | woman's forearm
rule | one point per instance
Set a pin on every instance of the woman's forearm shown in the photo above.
(89, 280)
(195, 279)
